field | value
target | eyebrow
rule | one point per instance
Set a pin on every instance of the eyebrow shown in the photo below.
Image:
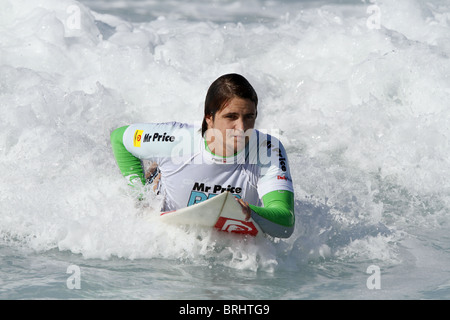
(236, 113)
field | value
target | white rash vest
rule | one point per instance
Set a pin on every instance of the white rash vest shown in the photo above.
(190, 173)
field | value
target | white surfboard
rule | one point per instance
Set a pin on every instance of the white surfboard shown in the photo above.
(222, 212)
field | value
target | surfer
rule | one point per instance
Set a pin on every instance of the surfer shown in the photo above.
(191, 164)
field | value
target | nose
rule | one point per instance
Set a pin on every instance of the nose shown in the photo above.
(240, 124)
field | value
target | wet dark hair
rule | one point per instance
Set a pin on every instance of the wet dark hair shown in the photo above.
(224, 89)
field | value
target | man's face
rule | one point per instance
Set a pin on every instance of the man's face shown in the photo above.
(232, 122)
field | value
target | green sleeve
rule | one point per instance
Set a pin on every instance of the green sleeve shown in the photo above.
(129, 165)
(278, 208)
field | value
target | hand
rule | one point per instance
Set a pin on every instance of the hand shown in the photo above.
(150, 172)
(245, 209)
(156, 182)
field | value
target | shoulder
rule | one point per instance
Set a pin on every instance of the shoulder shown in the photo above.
(273, 162)
(265, 147)
(270, 140)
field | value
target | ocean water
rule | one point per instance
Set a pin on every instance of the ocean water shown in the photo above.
(359, 92)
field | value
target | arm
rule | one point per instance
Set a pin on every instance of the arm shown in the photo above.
(277, 217)
(148, 141)
(129, 165)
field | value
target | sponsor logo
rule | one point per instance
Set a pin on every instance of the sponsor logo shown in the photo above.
(236, 226)
(281, 158)
(201, 192)
(217, 188)
(158, 137)
(282, 178)
(137, 138)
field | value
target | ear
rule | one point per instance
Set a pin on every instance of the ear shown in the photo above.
(210, 120)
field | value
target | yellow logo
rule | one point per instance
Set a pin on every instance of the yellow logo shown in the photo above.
(138, 138)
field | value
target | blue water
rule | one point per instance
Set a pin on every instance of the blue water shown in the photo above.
(359, 91)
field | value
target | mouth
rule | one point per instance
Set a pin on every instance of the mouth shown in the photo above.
(239, 140)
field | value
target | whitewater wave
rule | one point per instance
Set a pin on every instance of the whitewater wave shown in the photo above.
(363, 115)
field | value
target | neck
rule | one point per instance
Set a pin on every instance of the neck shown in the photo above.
(220, 151)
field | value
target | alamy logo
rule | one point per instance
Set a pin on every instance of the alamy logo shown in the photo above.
(374, 280)
(73, 21)
(374, 20)
(262, 149)
(73, 281)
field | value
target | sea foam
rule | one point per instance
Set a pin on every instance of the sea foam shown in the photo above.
(362, 112)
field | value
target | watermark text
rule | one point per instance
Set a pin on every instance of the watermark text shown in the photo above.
(74, 280)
